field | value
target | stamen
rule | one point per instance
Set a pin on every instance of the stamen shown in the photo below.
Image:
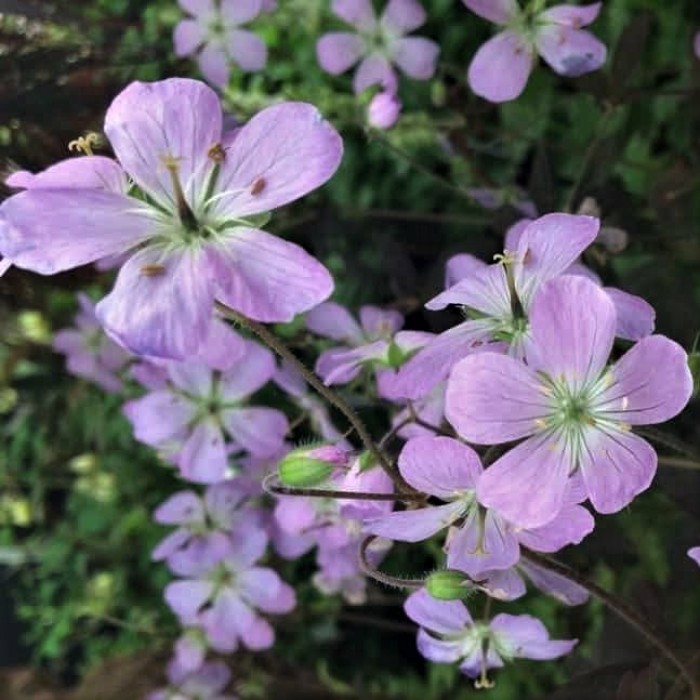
(483, 682)
(85, 144)
(217, 153)
(183, 208)
(258, 186)
(153, 270)
(540, 423)
(508, 259)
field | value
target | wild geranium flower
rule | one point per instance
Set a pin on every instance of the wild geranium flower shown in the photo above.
(189, 218)
(479, 540)
(574, 410)
(379, 43)
(496, 299)
(224, 600)
(89, 352)
(199, 410)
(214, 36)
(501, 67)
(448, 635)
(205, 683)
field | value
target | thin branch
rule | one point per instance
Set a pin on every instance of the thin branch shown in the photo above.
(381, 577)
(679, 462)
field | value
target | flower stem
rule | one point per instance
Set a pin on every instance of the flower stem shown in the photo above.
(623, 610)
(333, 398)
(381, 577)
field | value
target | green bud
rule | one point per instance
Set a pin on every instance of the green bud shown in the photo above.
(298, 470)
(694, 365)
(448, 584)
(395, 356)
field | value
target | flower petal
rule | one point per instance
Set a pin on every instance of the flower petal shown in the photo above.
(571, 525)
(203, 458)
(493, 398)
(439, 466)
(570, 52)
(506, 584)
(85, 225)
(266, 278)
(575, 16)
(501, 67)
(281, 154)
(651, 383)
(149, 124)
(334, 321)
(158, 416)
(416, 56)
(197, 8)
(403, 16)
(486, 291)
(441, 651)
(339, 51)
(375, 70)
(261, 431)
(237, 12)
(166, 314)
(441, 616)
(572, 326)
(555, 585)
(359, 13)
(252, 372)
(340, 365)
(83, 172)
(694, 554)
(616, 467)
(414, 525)
(263, 588)
(497, 11)
(187, 37)
(635, 317)
(526, 637)
(185, 598)
(460, 267)
(527, 485)
(214, 64)
(246, 49)
(183, 508)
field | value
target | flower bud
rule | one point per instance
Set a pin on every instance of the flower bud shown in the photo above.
(306, 467)
(449, 584)
(694, 366)
(383, 111)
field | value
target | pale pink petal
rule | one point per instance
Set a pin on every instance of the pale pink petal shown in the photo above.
(264, 589)
(416, 56)
(266, 278)
(281, 154)
(485, 290)
(650, 384)
(158, 416)
(339, 51)
(403, 16)
(214, 64)
(252, 372)
(185, 598)
(571, 526)
(181, 508)
(187, 37)
(359, 13)
(246, 49)
(334, 321)
(525, 637)
(237, 12)
(501, 67)
(574, 16)
(197, 8)
(441, 651)
(696, 44)
(694, 554)
(380, 323)
(570, 52)
(193, 378)
(261, 431)
(161, 304)
(375, 70)
(555, 585)
(149, 124)
(441, 616)
(635, 317)
(493, 398)
(527, 485)
(460, 267)
(203, 457)
(414, 525)
(572, 324)
(497, 11)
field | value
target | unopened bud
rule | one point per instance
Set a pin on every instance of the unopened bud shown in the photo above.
(383, 111)
(306, 467)
(449, 584)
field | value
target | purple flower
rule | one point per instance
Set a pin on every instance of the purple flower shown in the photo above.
(378, 43)
(501, 67)
(213, 34)
(480, 540)
(383, 111)
(224, 600)
(89, 352)
(199, 407)
(205, 683)
(696, 44)
(203, 538)
(575, 412)
(191, 224)
(497, 298)
(448, 634)
(429, 408)
(694, 554)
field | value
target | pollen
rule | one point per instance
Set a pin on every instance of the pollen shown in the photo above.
(258, 186)
(85, 144)
(172, 163)
(153, 270)
(540, 423)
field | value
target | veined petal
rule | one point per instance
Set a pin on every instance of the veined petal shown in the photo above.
(441, 616)
(261, 431)
(193, 378)
(547, 247)
(460, 267)
(161, 304)
(226, 620)
(185, 598)
(266, 591)
(83, 172)
(497, 11)
(339, 51)
(246, 49)
(375, 69)
(380, 323)
(188, 36)
(527, 485)
(214, 63)
(85, 225)
(651, 383)
(255, 368)
(616, 467)
(433, 363)
(266, 278)
(486, 291)
(570, 526)
(416, 56)
(501, 67)
(441, 651)
(553, 584)
(574, 16)
(403, 16)
(494, 398)
(237, 12)
(158, 416)
(183, 508)
(197, 8)
(570, 52)
(413, 525)
(439, 466)
(526, 637)
(341, 365)
(506, 584)
(203, 457)
(334, 321)
(635, 316)
(281, 154)
(359, 13)
(150, 124)
(572, 326)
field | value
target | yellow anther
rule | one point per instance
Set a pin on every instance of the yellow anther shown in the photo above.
(540, 423)
(85, 144)
(507, 257)
(172, 163)
(152, 270)
(625, 427)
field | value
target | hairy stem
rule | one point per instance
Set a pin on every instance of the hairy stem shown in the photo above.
(386, 579)
(623, 610)
(333, 398)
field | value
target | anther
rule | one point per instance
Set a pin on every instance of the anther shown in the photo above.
(186, 214)
(85, 144)
(258, 186)
(153, 270)
(217, 153)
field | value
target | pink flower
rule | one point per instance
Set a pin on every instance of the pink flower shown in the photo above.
(213, 34)
(501, 67)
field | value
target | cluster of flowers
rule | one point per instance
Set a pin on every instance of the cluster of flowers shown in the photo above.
(179, 210)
